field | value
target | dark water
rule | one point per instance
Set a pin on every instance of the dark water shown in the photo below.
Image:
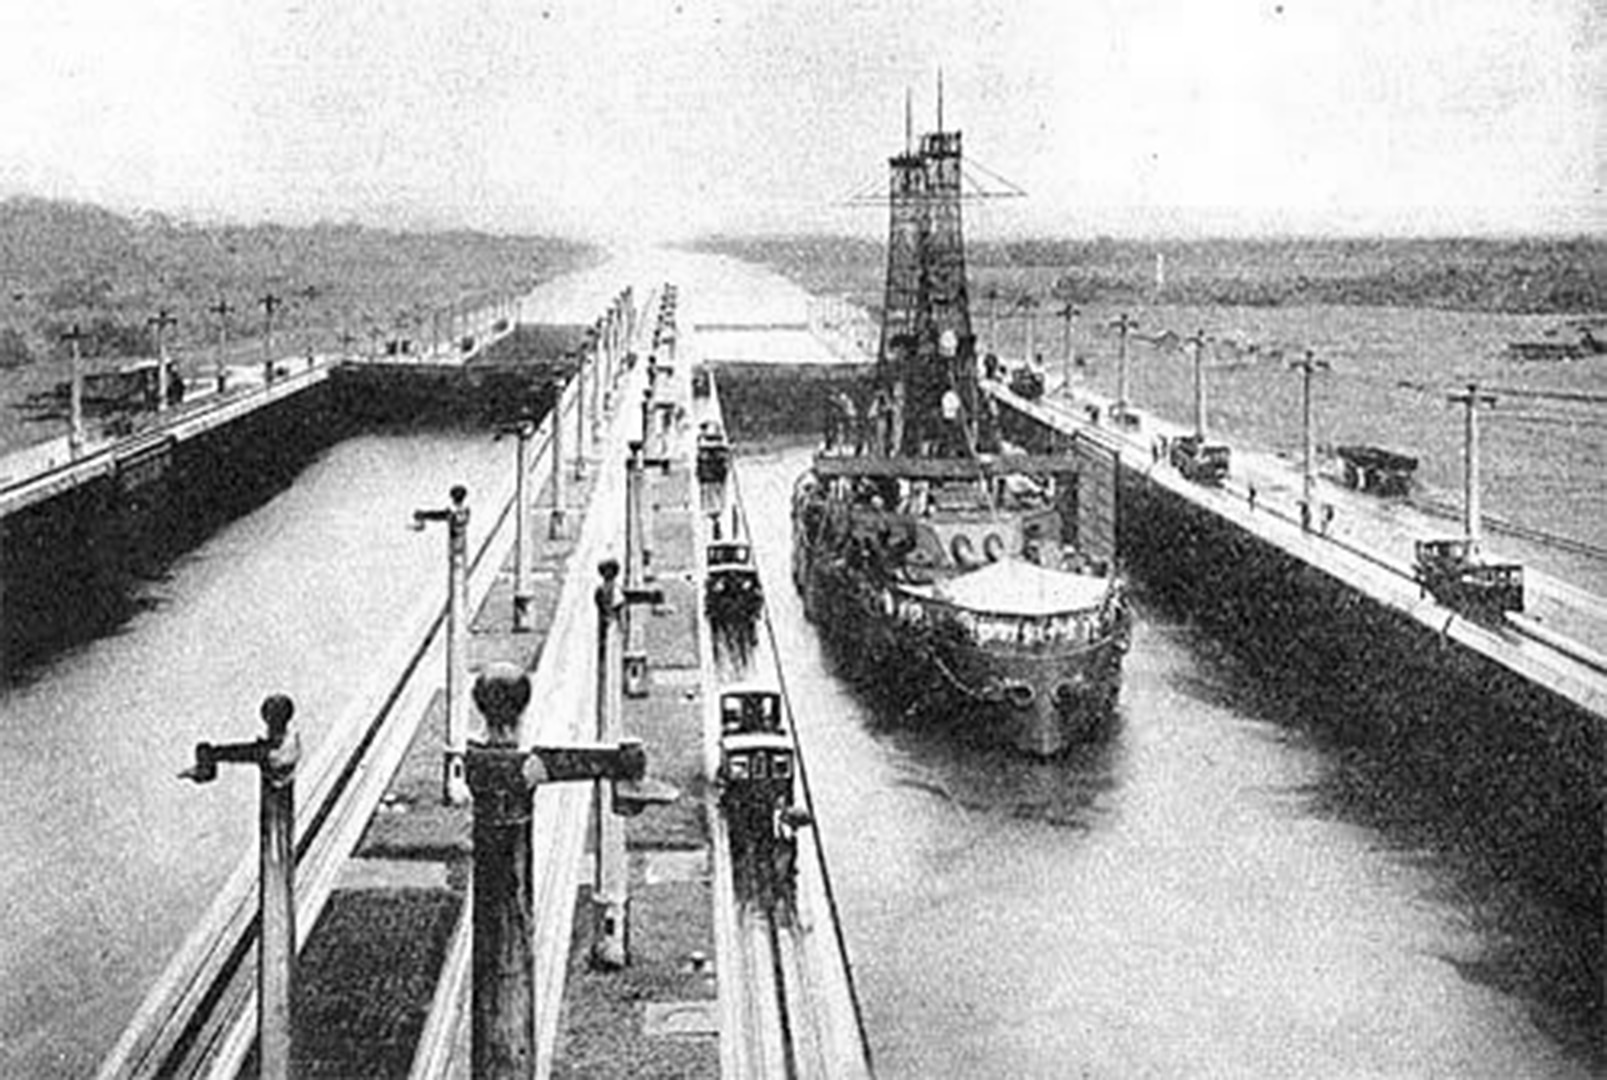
(109, 859)
(1235, 884)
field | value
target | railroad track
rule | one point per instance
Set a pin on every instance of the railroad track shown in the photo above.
(787, 1004)
(199, 1017)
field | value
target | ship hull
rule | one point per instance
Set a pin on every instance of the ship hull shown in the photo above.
(1040, 699)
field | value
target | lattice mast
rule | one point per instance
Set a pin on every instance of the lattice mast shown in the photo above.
(903, 302)
(927, 344)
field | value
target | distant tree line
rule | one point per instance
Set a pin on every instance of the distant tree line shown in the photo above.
(65, 263)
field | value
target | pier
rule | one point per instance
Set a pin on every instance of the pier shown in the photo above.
(1557, 643)
(385, 916)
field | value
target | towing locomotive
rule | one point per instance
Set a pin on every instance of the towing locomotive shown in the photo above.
(756, 778)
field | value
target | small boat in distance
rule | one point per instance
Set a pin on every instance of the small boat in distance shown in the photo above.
(1585, 343)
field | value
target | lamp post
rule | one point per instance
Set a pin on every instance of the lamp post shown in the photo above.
(454, 791)
(555, 523)
(1472, 515)
(276, 757)
(1307, 366)
(1124, 325)
(1197, 345)
(270, 304)
(75, 393)
(160, 322)
(523, 592)
(1068, 314)
(221, 309)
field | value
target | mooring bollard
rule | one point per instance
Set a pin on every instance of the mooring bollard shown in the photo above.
(523, 592)
(503, 778)
(275, 756)
(453, 789)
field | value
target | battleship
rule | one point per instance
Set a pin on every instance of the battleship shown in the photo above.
(935, 558)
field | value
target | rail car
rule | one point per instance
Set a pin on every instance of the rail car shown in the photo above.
(713, 453)
(1200, 461)
(757, 776)
(1453, 573)
(732, 593)
(132, 386)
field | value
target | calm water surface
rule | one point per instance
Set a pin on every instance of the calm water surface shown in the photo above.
(109, 859)
(1219, 890)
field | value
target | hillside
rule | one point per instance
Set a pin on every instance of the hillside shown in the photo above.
(63, 263)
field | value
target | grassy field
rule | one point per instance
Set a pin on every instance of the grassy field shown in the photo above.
(67, 264)
(1529, 276)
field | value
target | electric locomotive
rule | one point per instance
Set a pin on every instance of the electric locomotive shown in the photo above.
(757, 773)
(732, 593)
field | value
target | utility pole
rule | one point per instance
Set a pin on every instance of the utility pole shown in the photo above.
(75, 393)
(221, 309)
(276, 757)
(1124, 325)
(454, 791)
(1472, 516)
(1308, 478)
(270, 304)
(160, 322)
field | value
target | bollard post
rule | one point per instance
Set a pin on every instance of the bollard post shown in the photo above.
(503, 778)
(454, 791)
(555, 519)
(503, 1006)
(523, 591)
(275, 756)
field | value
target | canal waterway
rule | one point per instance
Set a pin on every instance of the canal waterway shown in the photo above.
(1230, 885)
(1234, 884)
(109, 858)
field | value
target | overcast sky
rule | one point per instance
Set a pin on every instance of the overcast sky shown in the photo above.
(609, 117)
